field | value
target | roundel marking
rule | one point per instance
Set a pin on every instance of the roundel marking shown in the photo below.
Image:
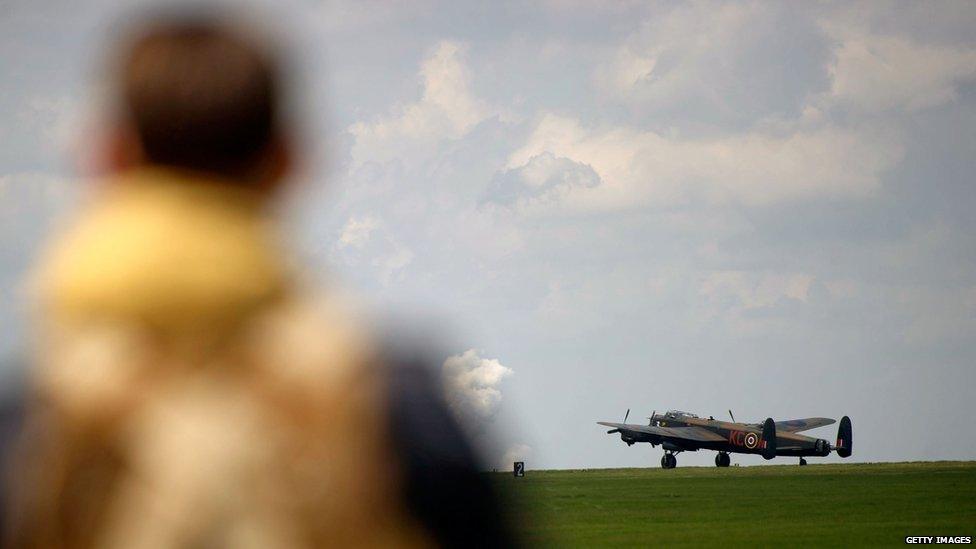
(751, 440)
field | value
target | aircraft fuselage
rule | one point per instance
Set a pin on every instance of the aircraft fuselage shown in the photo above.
(739, 438)
(678, 431)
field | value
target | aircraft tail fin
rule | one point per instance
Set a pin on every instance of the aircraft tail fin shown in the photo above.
(845, 438)
(769, 439)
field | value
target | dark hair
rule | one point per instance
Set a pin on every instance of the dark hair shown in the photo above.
(200, 95)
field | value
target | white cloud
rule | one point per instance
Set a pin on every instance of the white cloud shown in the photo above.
(641, 168)
(753, 303)
(715, 64)
(357, 231)
(366, 243)
(391, 264)
(542, 180)
(689, 35)
(751, 290)
(447, 110)
(874, 73)
(472, 385)
(627, 70)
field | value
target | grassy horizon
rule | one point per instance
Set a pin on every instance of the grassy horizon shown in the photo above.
(837, 504)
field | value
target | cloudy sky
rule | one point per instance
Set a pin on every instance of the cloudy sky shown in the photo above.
(767, 207)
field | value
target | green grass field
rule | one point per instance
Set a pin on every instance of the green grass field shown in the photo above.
(837, 505)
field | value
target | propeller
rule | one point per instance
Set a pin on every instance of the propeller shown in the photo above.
(612, 431)
(651, 419)
(730, 415)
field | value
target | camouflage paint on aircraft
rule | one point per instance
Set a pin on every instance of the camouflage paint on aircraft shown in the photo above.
(678, 431)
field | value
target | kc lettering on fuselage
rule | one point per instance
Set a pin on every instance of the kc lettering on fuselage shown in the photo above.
(741, 438)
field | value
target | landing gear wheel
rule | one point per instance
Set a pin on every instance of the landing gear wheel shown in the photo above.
(803, 461)
(668, 461)
(722, 459)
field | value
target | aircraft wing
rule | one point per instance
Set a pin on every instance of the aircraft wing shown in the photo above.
(687, 433)
(805, 424)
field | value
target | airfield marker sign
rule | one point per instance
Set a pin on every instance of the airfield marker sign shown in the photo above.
(519, 469)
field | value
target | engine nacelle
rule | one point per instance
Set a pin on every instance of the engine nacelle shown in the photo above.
(673, 447)
(822, 447)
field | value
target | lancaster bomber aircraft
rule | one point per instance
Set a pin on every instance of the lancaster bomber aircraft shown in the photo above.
(679, 432)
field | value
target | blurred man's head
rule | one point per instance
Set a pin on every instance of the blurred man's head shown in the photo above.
(197, 94)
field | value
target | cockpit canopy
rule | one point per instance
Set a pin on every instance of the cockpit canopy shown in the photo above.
(679, 413)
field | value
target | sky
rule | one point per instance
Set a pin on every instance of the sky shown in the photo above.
(596, 207)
